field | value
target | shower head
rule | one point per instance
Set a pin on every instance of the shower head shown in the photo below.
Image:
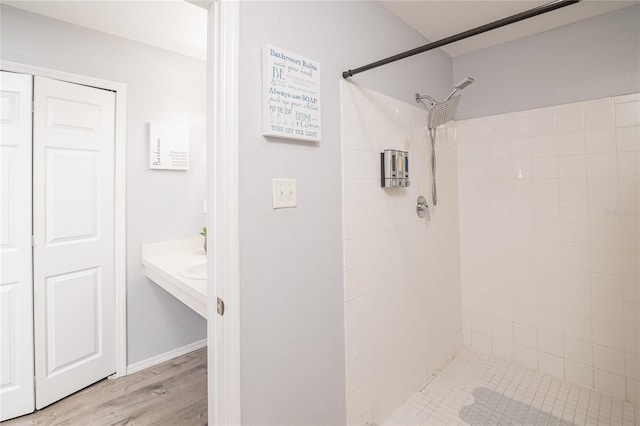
(461, 85)
(442, 112)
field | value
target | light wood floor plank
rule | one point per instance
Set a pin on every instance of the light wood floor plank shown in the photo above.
(172, 393)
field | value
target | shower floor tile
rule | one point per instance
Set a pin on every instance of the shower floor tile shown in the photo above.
(480, 389)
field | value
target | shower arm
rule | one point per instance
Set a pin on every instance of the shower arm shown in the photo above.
(420, 97)
(556, 4)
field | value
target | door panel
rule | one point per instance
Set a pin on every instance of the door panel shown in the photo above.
(77, 192)
(16, 296)
(74, 277)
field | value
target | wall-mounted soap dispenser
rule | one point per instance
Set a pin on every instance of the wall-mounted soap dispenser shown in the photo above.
(394, 169)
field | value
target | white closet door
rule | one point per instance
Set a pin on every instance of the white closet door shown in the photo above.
(73, 197)
(16, 296)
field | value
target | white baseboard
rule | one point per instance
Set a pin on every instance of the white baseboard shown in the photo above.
(159, 359)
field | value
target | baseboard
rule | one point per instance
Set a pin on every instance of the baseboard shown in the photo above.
(159, 359)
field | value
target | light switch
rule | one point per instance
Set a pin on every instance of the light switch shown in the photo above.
(284, 193)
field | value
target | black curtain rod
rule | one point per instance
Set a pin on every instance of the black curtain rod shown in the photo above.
(557, 4)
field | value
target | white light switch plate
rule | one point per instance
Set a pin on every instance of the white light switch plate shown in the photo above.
(284, 193)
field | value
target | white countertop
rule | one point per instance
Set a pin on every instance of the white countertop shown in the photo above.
(163, 263)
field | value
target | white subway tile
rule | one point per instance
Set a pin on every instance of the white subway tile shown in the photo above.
(631, 314)
(549, 298)
(498, 149)
(627, 98)
(600, 141)
(551, 364)
(358, 403)
(604, 212)
(609, 359)
(363, 222)
(571, 143)
(575, 258)
(572, 189)
(628, 139)
(360, 371)
(577, 327)
(579, 373)
(605, 261)
(502, 329)
(546, 189)
(364, 280)
(631, 289)
(628, 114)
(609, 383)
(480, 323)
(544, 146)
(518, 126)
(520, 148)
(575, 234)
(549, 320)
(608, 334)
(362, 251)
(576, 280)
(602, 189)
(632, 366)
(569, 117)
(577, 304)
(601, 165)
(481, 342)
(502, 348)
(633, 391)
(629, 188)
(546, 167)
(598, 116)
(578, 350)
(525, 314)
(632, 340)
(605, 236)
(573, 166)
(629, 164)
(525, 336)
(550, 343)
(526, 356)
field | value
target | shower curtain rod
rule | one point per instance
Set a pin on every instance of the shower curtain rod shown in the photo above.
(557, 4)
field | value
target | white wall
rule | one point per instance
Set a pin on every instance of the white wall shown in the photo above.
(161, 205)
(291, 275)
(550, 240)
(402, 273)
(590, 59)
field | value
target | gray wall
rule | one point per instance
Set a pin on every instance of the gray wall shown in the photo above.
(590, 59)
(161, 205)
(291, 260)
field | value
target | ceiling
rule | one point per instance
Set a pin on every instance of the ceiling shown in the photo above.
(174, 25)
(436, 20)
(181, 26)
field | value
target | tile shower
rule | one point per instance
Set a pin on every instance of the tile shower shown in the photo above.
(531, 256)
(402, 287)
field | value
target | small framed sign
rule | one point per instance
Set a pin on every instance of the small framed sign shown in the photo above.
(291, 96)
(168, 146)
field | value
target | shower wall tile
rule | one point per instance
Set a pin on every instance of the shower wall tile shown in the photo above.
(550, 247)
(403, 317)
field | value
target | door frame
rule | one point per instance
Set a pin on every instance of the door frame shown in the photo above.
(120, 191)
(223, 332)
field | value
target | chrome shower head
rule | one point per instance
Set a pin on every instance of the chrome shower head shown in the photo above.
(442, 112)
(461, 85)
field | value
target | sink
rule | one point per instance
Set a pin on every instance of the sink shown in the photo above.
(196, 271)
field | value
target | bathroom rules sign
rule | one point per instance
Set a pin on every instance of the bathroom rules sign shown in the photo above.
(291, 96)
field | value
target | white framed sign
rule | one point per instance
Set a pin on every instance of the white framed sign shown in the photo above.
(168, 146)
(291, 96)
